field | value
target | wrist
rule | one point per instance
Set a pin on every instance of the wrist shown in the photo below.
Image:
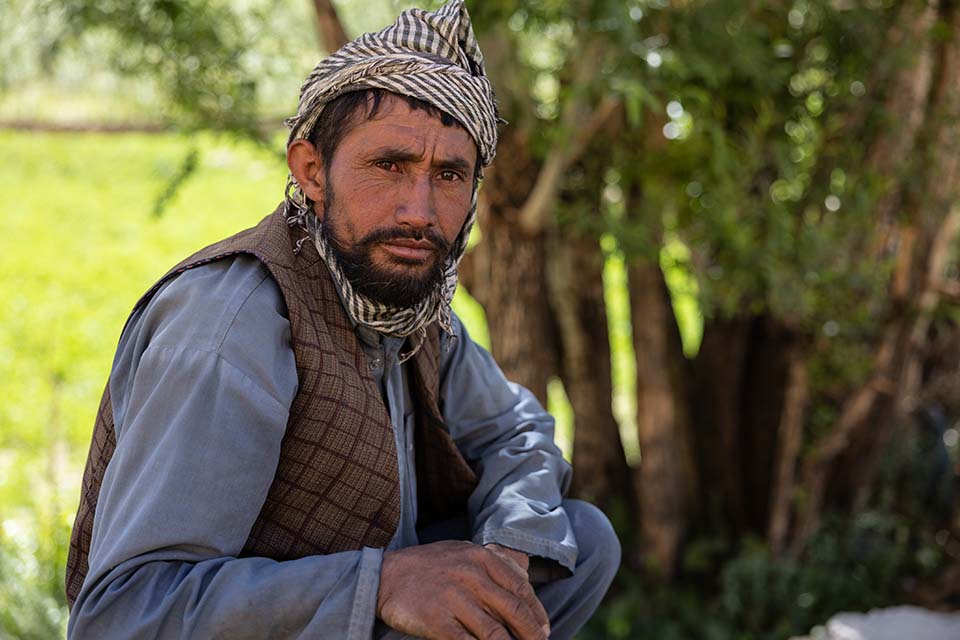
(383, 591)
(519, 558)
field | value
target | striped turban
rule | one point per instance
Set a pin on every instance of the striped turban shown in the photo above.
(430, 55)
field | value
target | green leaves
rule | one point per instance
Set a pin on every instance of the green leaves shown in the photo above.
(194, 49)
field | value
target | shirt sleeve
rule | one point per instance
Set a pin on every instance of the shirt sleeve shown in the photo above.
(508, 438)
(204, 409)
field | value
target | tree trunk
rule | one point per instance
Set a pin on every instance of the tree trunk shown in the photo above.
(717, 378)
(763, 399)
(601, 474)
(508, 274)
(742, 376)
(332, 34)
(789, 442)
(932, 225)
(905, 104)
(668, 474)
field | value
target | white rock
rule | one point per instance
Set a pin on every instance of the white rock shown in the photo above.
(895, 623)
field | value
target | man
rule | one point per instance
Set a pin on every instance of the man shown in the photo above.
(299, 438)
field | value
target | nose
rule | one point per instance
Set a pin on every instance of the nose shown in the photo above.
(416, 207)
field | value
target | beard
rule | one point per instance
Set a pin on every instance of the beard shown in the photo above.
(396, 287)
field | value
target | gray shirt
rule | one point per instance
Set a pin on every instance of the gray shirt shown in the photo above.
(201, 386)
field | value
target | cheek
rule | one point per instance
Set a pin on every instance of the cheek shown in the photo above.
(452, 221)
(374, 191)
(370, 203)
(339, 227)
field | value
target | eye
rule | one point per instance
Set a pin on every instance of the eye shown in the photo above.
(450, 176)
(387, 165)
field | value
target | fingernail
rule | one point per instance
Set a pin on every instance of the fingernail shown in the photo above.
(546, 630)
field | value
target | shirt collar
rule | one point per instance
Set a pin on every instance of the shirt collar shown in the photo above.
(371, 337)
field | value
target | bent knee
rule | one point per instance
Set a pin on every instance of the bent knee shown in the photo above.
(597, 542)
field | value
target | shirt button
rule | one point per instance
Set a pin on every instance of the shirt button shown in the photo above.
(375, 363)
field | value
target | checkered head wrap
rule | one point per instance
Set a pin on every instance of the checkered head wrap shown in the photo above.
(430, 55)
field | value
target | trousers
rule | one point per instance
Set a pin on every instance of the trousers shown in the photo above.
(571, 601)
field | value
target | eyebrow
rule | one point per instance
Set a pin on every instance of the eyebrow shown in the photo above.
(456, 163)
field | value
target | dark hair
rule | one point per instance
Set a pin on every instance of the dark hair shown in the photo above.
(340, 115)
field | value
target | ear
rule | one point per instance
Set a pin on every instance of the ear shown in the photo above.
(307, 167)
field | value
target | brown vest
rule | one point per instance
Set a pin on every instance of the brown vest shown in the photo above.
(337, 484)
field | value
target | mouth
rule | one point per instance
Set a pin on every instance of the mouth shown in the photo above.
(409, 249)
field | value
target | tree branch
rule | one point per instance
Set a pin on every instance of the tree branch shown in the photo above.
(904, 109)
(564, 153)
(930, 227)
(332, 34)
(789, 443)
(950, 290)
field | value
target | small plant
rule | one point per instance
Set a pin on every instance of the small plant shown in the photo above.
(31, 584)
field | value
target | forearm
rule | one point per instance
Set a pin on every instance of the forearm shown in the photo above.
(504, 432)
(518, 500)
(317, 596)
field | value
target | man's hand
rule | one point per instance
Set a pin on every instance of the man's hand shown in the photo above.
(459, 590)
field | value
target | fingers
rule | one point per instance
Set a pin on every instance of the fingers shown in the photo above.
(514, 614)
(517, 599)
(519, 587)
(479, 622)
(453, 631)
(458, 591)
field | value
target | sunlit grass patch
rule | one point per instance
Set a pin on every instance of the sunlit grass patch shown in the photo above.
(79, 245)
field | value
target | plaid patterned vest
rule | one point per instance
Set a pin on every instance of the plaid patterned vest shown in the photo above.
(337, 484)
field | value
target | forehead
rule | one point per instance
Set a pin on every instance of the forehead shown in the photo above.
(397, 124)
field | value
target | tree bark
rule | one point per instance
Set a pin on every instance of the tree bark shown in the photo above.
(508, 274)
(332, 34)
(932, 225)
(668, 474)
(601, 474)
(742, 376)
(789, 442)
(773, 347)
(717, 377)
(909, 85)
(905, 106)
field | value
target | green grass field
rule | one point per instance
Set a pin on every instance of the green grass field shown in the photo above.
(80, 243)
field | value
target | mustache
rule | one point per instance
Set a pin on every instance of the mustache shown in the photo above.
(431, 235)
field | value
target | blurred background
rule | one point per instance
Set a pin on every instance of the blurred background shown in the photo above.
(719, 241)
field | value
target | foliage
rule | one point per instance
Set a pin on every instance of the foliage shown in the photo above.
(194, 58)
(56, 347)
(753, 101)
(743, 141)
(63, 324)
(849, 566)
(31, 581)
(737, 107)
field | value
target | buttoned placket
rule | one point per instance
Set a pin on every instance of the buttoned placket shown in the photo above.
(382, 354)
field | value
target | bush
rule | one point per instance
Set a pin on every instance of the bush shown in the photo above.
(850, 565)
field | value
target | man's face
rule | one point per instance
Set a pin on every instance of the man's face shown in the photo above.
(397, 192)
